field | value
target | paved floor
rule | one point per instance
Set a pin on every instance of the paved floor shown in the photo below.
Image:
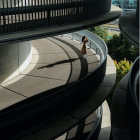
(59, 64)
(84, 110)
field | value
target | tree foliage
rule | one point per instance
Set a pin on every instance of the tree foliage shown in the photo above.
(119, 48)
(122, 68)
(102, 33)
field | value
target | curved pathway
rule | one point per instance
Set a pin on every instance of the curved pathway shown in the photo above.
(59, 65)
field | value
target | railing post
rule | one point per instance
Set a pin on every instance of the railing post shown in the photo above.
(48, 16)
(100, 57)
(4, 21)
(77, 10)
(90, 45)
(96, 50)
(72, 37)
(81, 41)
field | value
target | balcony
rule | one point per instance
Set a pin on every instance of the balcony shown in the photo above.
(44, 108)
(37, 19)
(46, 82)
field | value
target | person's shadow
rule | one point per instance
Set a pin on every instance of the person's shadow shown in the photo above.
(57, 63)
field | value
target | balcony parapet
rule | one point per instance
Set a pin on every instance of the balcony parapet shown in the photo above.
(67, 24)
(62, 126)
(133, 99)
(125, 108)
(40, 14)
(34, 116)
(129, 25)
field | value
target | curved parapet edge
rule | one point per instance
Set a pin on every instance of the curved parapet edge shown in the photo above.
(119, 124)
(94, 42)
(103, 80)
(124, 109)
(129, 27)
(132, 101)
(59, 128)
(114, 13)
(106, 123)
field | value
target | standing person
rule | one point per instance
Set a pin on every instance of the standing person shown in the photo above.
(83, 50)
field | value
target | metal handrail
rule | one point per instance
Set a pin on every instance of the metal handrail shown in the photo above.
(38, 114)
(21, 17)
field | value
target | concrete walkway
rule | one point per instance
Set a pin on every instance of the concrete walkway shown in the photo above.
(56, 62)
(58, 130)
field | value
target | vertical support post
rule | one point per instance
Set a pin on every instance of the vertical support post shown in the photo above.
(100, 58)
(90, 45)
(48, 16)
(96, 50)
(72, 37)
(4, 20)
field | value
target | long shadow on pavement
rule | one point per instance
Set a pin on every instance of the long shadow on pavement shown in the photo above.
(84, 64)
(59, 62)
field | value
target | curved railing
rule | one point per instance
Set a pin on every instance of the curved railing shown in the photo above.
(36, 115)
(97, 126)
(29, 15)
(92, 131)
(132, 101)
(94, 42)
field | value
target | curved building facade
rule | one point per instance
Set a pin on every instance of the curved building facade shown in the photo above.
(24, 20)
(128, 102)
(35, 15)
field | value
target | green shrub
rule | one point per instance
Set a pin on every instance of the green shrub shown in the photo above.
(122, 68)
(102, 33)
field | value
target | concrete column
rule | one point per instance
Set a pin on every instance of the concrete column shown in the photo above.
(14, 58)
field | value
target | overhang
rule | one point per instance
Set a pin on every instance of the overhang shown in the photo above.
(114, 13)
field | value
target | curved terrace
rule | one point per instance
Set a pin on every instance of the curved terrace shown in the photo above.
(48, 82)
(90, 65)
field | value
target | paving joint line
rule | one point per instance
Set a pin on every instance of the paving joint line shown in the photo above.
(42, 77)
(13, 91)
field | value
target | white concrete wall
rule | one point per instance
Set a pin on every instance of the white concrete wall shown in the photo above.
(24, 50)
(14, 58)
